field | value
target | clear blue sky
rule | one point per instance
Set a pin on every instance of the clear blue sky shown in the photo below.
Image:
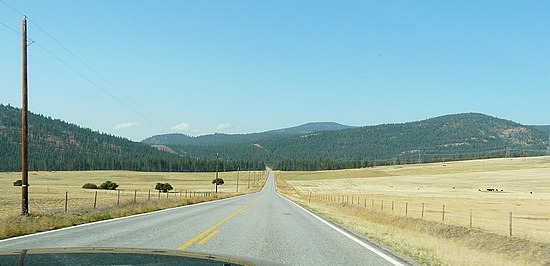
(199, 67)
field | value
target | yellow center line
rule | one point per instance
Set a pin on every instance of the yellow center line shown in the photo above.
(202, 242)
(211, 232)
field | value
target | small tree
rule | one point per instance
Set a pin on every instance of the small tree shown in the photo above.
(89, 186)
(164, 187)
(108, 185)
(217, 181)
(18, 183)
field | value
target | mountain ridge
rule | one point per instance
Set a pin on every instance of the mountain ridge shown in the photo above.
(181, 139)
(58, 145)
(55, 145)
(448, 137)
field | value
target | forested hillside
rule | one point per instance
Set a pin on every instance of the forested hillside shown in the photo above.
(57, 145)
(450, 137)
(221, 139)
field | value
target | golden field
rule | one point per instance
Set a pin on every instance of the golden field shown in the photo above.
(409, 206)
(48, 192)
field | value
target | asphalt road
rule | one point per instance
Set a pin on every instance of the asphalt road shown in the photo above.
(263, 225)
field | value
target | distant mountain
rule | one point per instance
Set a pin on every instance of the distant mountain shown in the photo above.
(543, 128)
(450, 137)
(309, 128)
(220, 139)
(57, 145)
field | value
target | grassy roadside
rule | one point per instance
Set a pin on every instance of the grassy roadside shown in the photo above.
(12, 224)
(427, 242)
(39, 221)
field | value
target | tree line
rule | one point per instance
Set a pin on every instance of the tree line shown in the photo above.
(55, 145)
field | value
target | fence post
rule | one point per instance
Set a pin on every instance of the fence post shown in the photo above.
(135, 195)
(392, 203)
(470, 218)
(382, 205)
(406, 209)
(443, 214)
(510, 223)
(95, 199)
(365, 202)
(309, 198)
(66, 200)
(118, 198)
(149, 196)
(422, 210)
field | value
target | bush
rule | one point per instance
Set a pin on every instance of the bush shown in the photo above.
(108, 185)
(218, 181)
(164, 187)
(90, 186)
(18, 183)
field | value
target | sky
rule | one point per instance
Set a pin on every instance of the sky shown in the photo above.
(141, 68)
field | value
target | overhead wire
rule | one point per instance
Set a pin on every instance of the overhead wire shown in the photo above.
(97, 73)
(87, 66)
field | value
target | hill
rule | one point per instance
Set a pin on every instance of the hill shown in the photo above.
(58, 145)
(450, 137)
(309, 128)
(543, 128)
(218, 139)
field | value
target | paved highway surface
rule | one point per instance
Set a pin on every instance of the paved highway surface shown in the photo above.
(263, 225)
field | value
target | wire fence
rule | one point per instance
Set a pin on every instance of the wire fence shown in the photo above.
(528, 219)
(58, 200)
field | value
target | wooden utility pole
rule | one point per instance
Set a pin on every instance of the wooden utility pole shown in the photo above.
(217, 168)
(238, 171)
(24, 129)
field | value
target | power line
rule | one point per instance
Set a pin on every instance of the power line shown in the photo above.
(10, 28)
(87, 66)
(14, 9)
(96, 73)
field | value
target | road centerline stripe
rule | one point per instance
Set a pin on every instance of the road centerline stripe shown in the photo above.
(211, 235)
(208, 233)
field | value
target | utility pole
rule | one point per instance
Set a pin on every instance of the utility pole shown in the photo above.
(24, 129)
(238, 171)
(217, 168)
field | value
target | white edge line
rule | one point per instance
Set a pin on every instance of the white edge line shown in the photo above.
(350, 236)
(115, 219)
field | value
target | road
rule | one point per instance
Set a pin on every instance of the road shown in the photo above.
(263, 225)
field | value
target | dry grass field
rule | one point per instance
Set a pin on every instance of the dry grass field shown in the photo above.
(441, 195)
(48, 192)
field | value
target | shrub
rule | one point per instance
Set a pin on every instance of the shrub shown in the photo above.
(108, 185)
(164, 187)
(218, 181)
(18, 183)
(90, 186)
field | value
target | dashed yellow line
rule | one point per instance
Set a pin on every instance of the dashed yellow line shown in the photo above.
(212, 231)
